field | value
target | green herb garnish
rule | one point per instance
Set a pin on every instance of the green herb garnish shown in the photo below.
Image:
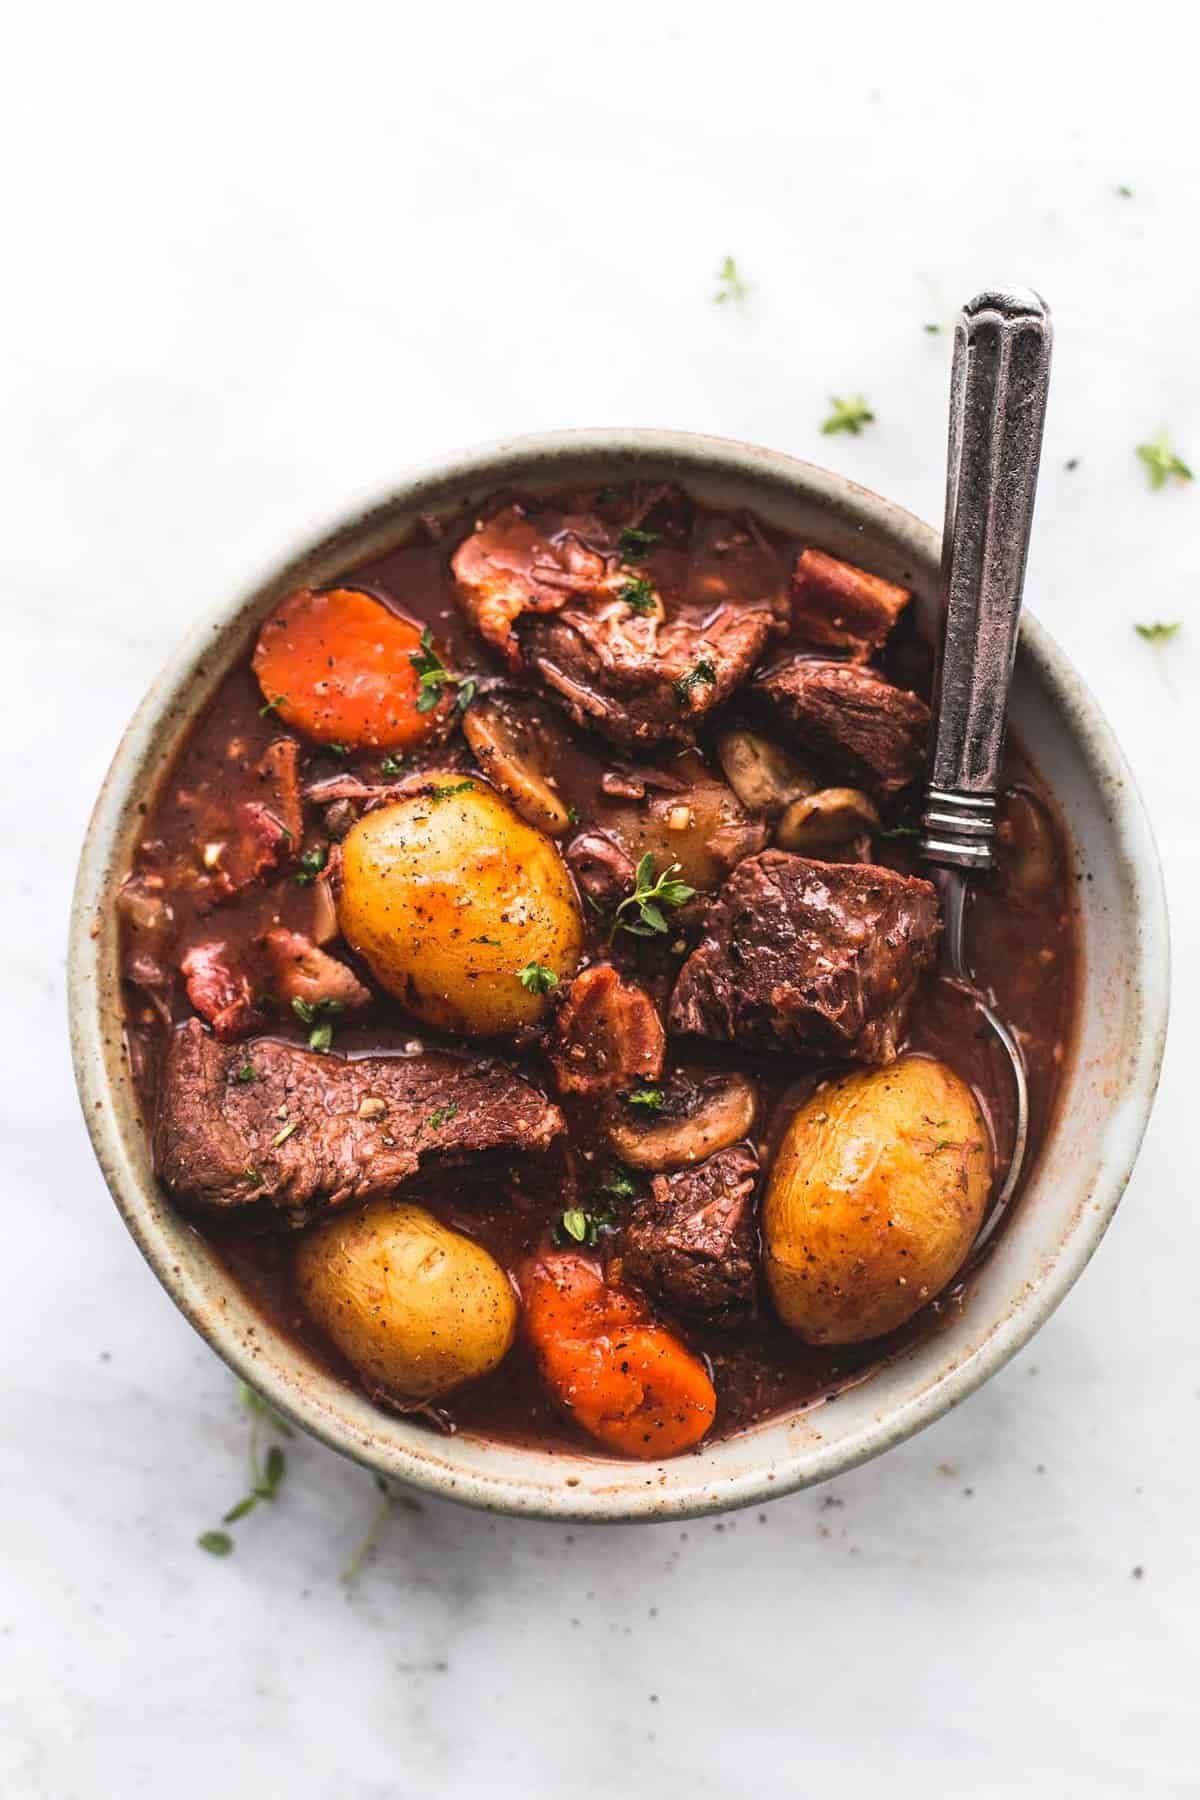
(899, 831)
(310, 863)
(572, 814)
(650, 1098)
(933, 330)
(434, 676)
(1125, 192)
(579, 1227)
(638, 595)
(448, 789)
(848, 415)
(442, 1115)
(536, 978)
(705, 670)
(635, 543)
(320, 1015)
(265, 1476)
(651, 893)
(393, 765)
(272, 705)
(387, 1505)
(618, 1182)
(246, 1073)
(732, 287)
(1159, 633)
(1162, 462)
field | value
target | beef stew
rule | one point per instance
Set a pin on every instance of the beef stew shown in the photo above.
(509, 912)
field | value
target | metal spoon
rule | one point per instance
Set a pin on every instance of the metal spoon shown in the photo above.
(997, 411)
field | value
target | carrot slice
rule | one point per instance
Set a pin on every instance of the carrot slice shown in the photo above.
(338, 666)
(625, 1379)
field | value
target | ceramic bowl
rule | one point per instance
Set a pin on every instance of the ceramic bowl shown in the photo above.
(1068, 1202)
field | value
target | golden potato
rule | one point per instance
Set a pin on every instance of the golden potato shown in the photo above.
(416, 1308)
(448, 895)
(874, 1199)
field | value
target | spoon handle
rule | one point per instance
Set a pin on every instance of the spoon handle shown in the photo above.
(997, 412)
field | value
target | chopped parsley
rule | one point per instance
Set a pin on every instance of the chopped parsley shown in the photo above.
(638, 595)
(933, 330)
(338, 749)
(635, 543)
(217, 1543)
(1162, 462)
(434, 676)
(572, 814)
(1158, 633)
(848, 415)
(442, 1115)
(272, 705)
(902, 830)
(536, 978)
(650, 1098)
(651, 893)
(393, 765)
(246, 1074)
(705, 670)
(309, 865)
(731, 286)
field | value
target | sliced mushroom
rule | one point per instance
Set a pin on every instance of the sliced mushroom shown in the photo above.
(1028, 858)
(764, 777)
(720, 1112)
(516, 743)
(826, 820)
(325, 920)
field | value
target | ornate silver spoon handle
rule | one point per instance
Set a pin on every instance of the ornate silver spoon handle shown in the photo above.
(997, 411)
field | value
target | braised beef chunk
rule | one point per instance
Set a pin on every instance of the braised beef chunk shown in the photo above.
(816, 959)
(837, 606)
(273, 1125)
(608, 1035)
(693, 1242)
(862, 729)
(635, 680)
(509, 566)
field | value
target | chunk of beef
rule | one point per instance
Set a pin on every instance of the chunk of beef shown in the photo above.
(635, 680)
(693, 1242)
(608, 1035)
(837, 606)
(278, 1127)
(301, 971)
(509, 566)
(817, 959)
(866, 732)
(220, 991)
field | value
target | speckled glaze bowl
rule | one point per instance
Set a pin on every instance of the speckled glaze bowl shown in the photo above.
(1067, 1204)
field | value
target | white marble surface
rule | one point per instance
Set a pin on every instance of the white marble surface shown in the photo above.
(259, 258)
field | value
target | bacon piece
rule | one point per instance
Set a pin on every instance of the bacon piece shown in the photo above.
(301, 971)
(220, 993)
(609, 1035)
(838, 606)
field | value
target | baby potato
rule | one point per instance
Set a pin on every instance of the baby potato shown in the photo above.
(874, 1199)
(449, 895)
(415, 1307)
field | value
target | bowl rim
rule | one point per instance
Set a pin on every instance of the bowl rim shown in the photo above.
(1148, 973)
